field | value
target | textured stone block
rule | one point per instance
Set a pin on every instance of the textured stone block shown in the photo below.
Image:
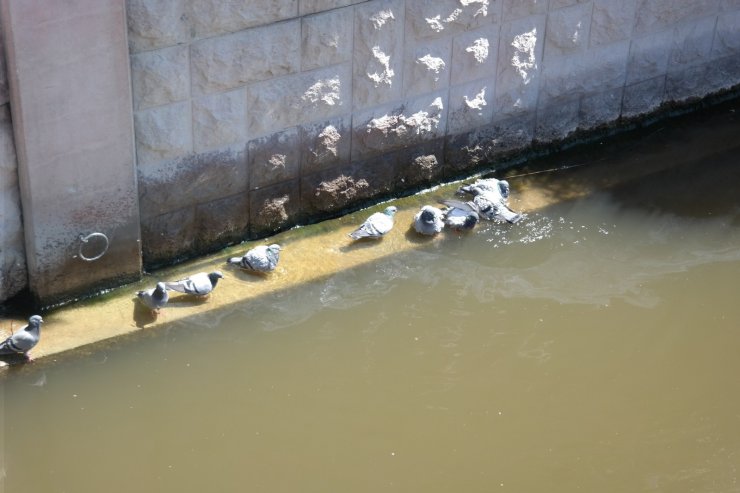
(222, 222)
(474, 54)
(471, 105)
(197, 179)
(653, 15)
(160, 77)
(13, 272)
(514, 9)
(392, 127)
(220, 120)
(313, 6)
(519, 65)
(298, 99)
(643, 97)
(568, 30)
(600, 108)
(593, 71)
(435, 18)
(274, 158)
(612, 21)
(327, 39)
(692, 42)
(168, 238)
(273, 209)
(257, 54)
(687, 83)
(427, 66)
(724, 72)
(648, 56)
(727, 40)
(325, 144)
(423, 164)
(559, 4)
(156, 24)
(212, 17)
(378, 52)
(163, 133)
(557, 120)
(4, 89)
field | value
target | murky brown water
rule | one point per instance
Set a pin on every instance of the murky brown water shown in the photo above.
(592, 347)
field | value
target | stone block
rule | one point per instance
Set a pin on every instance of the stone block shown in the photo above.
(519, 65)
(612, 21)
(222, 222)
(724, 72)
(273, 209)
(474, 54)
(471, 105)
(314, 6)
(160, 77)
(392, 127)
(479, 147)
(220, 120)
(729, 5)
(435, 18)
(297, 99)
(327, 39)
(274, 158)
(692, 42)
(156, 24)
(423, 164)
(8, 158)
(568, 30)
(648, 56)
(687, 83)
(515, 9)
(593, 71)
(168, 238)
(427, 66)
(643, 97)
(4, 89)
(654, 15)
(727, 40)
(557, 120)
(325, 144)
(377, 53)
(196, 179)
(213, 17)
(600, 108)
(163, 133)
(559, 4)
(233, 60)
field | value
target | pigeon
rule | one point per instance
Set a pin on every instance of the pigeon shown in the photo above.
(375, 226)
(459, 216)
(154, 298)
(429, 221)
(490, 185)
(490, 200)
(259, 259)
(200, 284)
(22, 341)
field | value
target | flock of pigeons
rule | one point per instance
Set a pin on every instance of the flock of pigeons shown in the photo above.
(489, 201)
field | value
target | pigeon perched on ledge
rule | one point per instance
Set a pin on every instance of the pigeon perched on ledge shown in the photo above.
(22, 341)
(154, 298)
(429, 221)
(200, 284)
(262, 258)
(376, 226)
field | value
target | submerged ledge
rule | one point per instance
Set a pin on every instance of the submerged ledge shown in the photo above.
(311, 253)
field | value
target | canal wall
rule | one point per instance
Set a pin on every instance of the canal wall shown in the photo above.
(248, 117)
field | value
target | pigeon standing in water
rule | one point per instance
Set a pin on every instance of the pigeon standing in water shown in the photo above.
(200, 284)
(429, 221)
(22, 341)
(259, 259)
(154, 298)
(460, 216)
(376, 226)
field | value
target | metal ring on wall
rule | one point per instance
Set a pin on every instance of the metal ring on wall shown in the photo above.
(86, 239)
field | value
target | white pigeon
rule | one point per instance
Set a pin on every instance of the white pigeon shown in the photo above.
(154, 298)
(459, 216)
(23, 340)
(375, 226)
(497, 188)
(262, 258)
(429, 221)
(200, 284)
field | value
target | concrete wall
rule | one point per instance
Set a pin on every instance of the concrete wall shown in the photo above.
(251, 116)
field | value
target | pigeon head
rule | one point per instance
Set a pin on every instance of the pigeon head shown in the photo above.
(215, 276)
(427, 215)
(160, 287)
(390, 211)
(470, 220)
(503, 187)
(35, 320)
(274, 248)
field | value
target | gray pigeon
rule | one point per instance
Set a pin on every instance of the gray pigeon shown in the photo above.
(200, 284)
(23, 340)
(376, 226)
(262, 258)
(460, 216)
(429, 221)
(490, 200)
(154, 298)
(498, 188)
